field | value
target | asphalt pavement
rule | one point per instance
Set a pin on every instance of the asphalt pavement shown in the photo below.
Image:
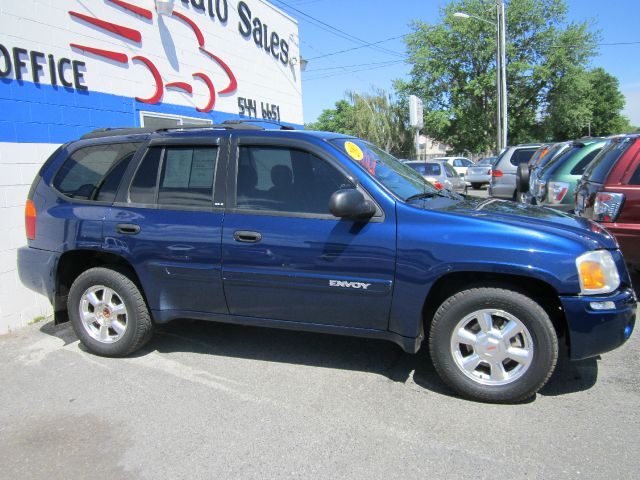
(214, 401)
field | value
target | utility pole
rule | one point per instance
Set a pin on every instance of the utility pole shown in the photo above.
(501, 72)
(502, 48)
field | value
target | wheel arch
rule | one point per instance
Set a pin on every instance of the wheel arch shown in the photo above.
(73, 263)
(539, 290)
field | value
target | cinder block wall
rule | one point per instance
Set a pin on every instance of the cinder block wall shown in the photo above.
(19, 164)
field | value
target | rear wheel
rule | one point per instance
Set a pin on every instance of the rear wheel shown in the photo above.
(108, 313)
(493, 344)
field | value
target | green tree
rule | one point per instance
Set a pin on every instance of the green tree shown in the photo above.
(585, 102)
(338, 119)
(453, 69)
(377, 117)
(608, 102)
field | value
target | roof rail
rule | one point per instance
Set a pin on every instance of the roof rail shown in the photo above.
(257, 120)
(111, 132)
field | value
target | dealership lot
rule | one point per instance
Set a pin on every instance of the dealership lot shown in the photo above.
(207, 400)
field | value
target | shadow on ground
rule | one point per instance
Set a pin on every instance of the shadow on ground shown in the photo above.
(327, 351)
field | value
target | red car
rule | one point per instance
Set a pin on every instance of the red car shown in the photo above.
(609, 193)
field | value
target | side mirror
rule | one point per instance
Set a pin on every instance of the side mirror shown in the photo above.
(350, 203)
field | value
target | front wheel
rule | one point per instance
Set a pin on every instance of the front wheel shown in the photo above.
(493, 344)
(108, 313)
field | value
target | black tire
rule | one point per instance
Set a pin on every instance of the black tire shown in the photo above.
(541, 336)
(476, 186)
(522, 178)
(139, 326)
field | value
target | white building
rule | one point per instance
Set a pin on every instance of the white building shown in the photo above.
(70, 66)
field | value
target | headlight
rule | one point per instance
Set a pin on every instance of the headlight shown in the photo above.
(597, 272)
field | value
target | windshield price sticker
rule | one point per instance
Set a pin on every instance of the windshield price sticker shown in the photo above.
(353, 150)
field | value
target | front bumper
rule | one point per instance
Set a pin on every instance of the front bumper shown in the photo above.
(592, 332)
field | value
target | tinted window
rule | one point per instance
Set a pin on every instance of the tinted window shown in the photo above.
(635, 179)
(84, 173)
(487, 161)
(187, 176)
(143, 187)
(450, 170)
(426, 169)
(522, 155)
(580, 167)
(599, 169)
(285, 180)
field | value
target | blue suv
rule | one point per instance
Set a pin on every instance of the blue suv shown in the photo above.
(316, 231)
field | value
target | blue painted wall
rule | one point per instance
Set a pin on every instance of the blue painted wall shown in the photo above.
(42, 113)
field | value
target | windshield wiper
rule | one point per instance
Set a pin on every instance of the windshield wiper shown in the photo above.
(423, 195)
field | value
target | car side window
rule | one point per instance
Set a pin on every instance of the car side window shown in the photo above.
(282, 179)
(450, 171)
(458, 163)
(584, 163)
(635, 178)
(522, 155)
(186, 177)
(94, 173)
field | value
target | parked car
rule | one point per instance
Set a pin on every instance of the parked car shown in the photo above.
(539, 159)
(609, 193)
(320, 232)
(553, 185)
(440, 174)
(480, 174)
(503, 174)
(460, 164)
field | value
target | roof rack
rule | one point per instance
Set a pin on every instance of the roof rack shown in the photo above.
(226, 125)
(110, 132)
(257, 120)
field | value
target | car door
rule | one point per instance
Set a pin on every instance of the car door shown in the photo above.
(166, 225)
(457, 183)
(285, 257)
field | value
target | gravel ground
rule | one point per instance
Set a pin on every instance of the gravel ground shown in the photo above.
(207, 400)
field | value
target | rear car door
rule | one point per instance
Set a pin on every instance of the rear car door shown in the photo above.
(285, 256)
(166, 225)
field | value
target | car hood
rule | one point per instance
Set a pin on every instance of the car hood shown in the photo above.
(532, 217)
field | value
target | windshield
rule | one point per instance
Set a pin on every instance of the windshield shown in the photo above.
(400, 179)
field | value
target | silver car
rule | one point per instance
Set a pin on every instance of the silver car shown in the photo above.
(440, 173)
(480, 173)
(503, 174)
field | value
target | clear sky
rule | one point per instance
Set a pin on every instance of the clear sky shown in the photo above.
(326, 79)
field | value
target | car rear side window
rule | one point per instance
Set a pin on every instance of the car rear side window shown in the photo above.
(186, 177)
(598, 170)
(635, 179)
(94, 173)
(282, 179)
(580, 167)
(522, 155)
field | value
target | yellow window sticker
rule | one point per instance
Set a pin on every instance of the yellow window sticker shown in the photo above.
(353, 150)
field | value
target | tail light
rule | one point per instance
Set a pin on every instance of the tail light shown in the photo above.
(30, 220)
(557, 191)
(607, 206)
(496, 173)
(438, 185)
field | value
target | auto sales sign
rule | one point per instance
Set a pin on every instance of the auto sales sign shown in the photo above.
(204, 56)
